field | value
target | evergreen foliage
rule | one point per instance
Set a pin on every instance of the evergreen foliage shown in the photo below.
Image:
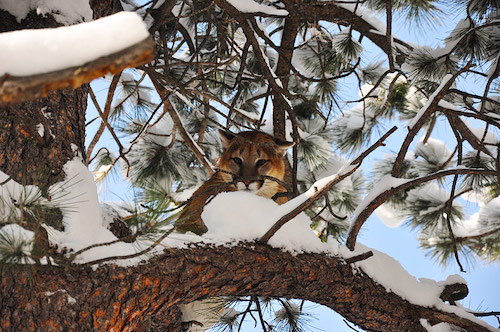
(209, 73)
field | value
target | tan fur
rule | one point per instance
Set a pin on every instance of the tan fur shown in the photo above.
(246, 156)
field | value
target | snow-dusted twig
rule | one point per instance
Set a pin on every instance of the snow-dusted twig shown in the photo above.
(137, 254)
(319, 192)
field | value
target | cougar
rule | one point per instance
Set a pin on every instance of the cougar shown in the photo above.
(251, 161)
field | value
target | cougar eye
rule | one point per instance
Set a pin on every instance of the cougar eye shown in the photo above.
(237, 160)
(261, 162)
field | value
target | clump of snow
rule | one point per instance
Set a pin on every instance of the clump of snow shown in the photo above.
(434, 151)
(81, 210)
(390, 216)
(387, 182)
(64, 11)
(242, 216)
(68, 47)
(453, 279)
(69, 298)
(161, 132)
(250, 6)
(421, 112)
(14, 236)
(441, 327)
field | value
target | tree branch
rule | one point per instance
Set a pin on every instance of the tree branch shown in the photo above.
(123, 298)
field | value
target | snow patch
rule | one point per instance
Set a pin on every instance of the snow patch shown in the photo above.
(64, 11)
(390, 216)
(67, 47)
(250, 6)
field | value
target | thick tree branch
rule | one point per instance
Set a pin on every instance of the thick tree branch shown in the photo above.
(15, 89)
(115, 298)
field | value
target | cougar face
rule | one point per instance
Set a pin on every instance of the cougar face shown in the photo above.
(250, 155)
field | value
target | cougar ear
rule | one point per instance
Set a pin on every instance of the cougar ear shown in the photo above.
(226, 137)
(283, 146)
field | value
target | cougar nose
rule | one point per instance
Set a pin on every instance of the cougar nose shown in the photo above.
(247, 182)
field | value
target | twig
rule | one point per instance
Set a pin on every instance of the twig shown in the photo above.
(188, 139)
(448, 207)
(104, 115)
(388, 12)
(360, 257)
(137, 254)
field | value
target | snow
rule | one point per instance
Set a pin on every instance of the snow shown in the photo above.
(161, 132)
(390, 216)
(13, 235)
(67, 47)
(386, 183)
(366, 14)
(250, 216)
(421, 112)
(64, 11)
(434, 151)
(250, 6)
(69, 298)
(40, 129)
(453, 279)
(441, 327)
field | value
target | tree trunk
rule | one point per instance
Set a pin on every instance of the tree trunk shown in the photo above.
(116, 298)
(40, 136)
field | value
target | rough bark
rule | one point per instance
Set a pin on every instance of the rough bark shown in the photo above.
(115, 298)
(38, 137)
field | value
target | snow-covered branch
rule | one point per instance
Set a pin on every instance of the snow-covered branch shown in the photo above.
(70, 56)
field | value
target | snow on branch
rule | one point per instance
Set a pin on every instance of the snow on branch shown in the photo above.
(250, 6)
(35, 62)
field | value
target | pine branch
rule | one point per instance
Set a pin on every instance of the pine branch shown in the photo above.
(420, 121)
(188, 139)
(363, 215)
